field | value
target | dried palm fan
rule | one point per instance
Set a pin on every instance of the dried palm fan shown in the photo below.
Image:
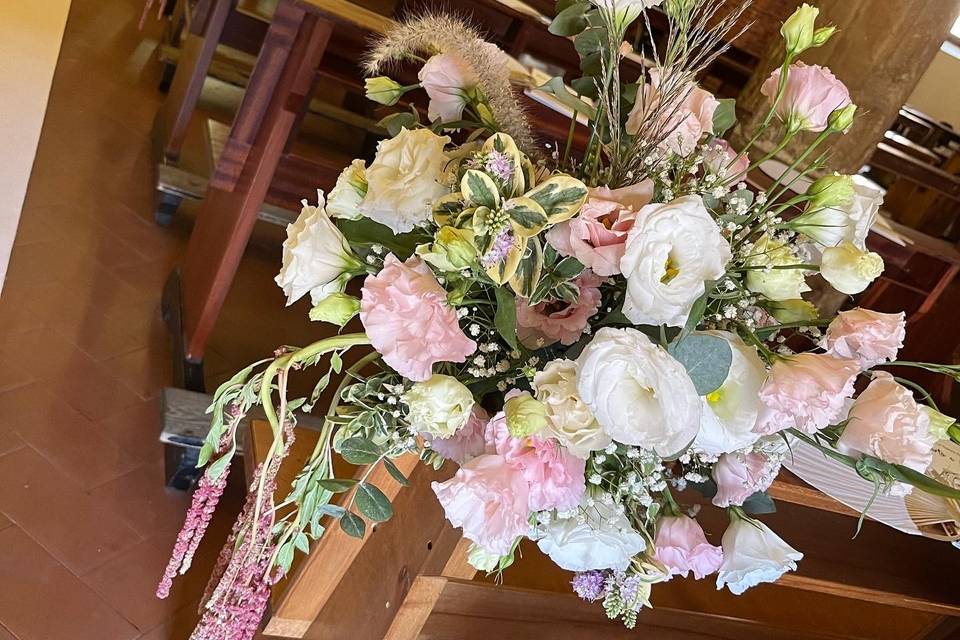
(918, 513)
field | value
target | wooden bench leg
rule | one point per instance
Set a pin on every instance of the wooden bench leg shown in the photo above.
(278, 91)
(198, 47)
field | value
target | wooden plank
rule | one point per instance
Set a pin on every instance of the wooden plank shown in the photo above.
(350, 13)
(446, 608)
(790, 488)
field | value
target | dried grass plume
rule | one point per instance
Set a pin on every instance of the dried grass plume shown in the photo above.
(432, 33)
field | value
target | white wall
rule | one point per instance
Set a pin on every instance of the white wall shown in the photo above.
(30, 36)
(938, 92)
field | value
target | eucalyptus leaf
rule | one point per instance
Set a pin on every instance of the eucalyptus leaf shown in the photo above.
(359, 451)
(302, 542)
(725, 116)
(395, 473)
(759, 504)
(706, 358)
(353, 525)
(332, 510)
(571, 20)
(373, 503)
(285, 556)
(366, 231)
(337, 485)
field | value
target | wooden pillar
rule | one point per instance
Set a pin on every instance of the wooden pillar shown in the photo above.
(880, 50)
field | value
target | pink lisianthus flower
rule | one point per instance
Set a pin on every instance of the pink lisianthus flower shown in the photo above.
(549, 322)
(689, 119)
(405, 313)
(488, 497)
(720, 159)
(739, 475)
(868, 336)
(807, 391)
(467, 443)
(446, 77)
(683, 547)
(885, 421)
(598, 236)
(811, 95)
(555, 477)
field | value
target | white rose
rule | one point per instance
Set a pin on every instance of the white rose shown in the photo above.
(638, 392)
(345, 197)
(752, 554)
(316, 257)
(405, 178)
(775, 283)
(730, 412)
(670, 251)
(440, 405)
(568, 417)
(595, 537)
(848, 269)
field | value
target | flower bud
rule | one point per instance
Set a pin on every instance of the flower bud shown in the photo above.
(821, 35)
(831, 192)
(849, 269)
(798, 310)
(383, 90)
(798, 30)
(939, 423)
(452, 249)
(525, 415)
(337, 308)
(842, 119)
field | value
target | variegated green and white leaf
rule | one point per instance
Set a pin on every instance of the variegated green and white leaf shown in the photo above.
(447, 206)
(527, 215)
(503, 143)
(502, 272)
(560, 196)
(524, 282)
(479, 189)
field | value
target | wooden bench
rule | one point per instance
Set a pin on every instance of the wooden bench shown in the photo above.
(881, 573)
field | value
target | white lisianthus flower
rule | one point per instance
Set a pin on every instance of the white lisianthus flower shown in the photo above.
(849, 269)
(568, 417)
(730, 412)
(670, 251)
(849, 218)
(481, 559)
(626, 10)
(753, 554)
(440, 405)
(638, 392)
(405, 178)
(783, 283)
(345, 197)
(595, 537)
(316, 257)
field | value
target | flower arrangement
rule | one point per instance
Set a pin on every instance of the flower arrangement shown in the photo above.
(585, 336)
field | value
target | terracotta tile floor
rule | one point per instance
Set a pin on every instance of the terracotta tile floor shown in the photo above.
(85, 520)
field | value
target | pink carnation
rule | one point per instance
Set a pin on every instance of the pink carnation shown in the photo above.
(405, 313)
(806, 391)
(868, 336)
(682, 547)
(554, 475)
(811, 95)
(717, 159)
(468, 442)
(488, 498)
(886, 421)
(739, 475)
(597, 236)
(548, 322)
